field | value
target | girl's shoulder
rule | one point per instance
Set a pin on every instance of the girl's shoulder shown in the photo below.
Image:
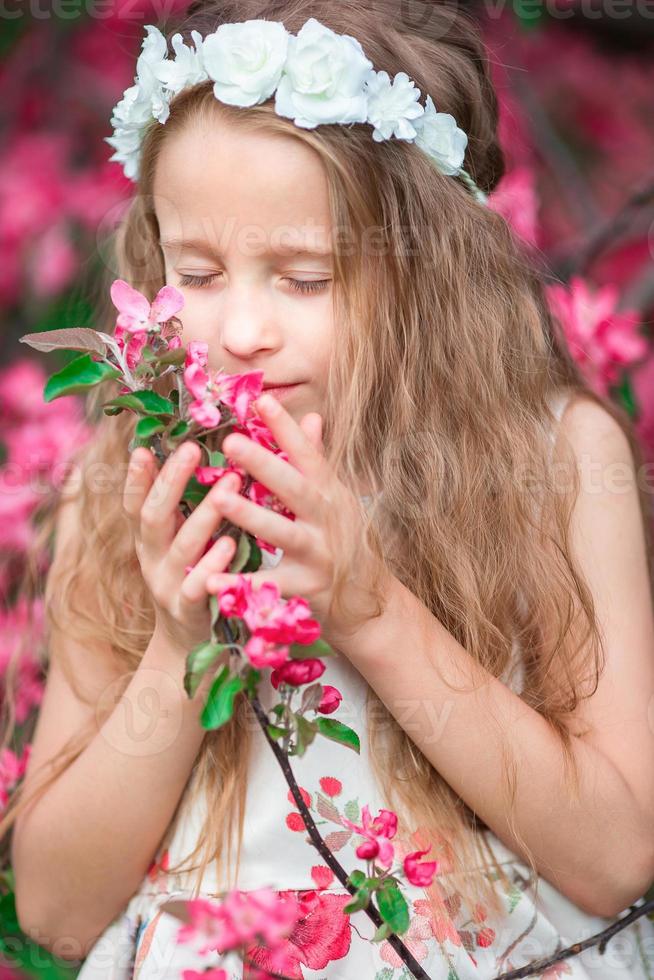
(588, 426)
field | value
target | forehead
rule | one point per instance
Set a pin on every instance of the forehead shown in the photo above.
(219, 181)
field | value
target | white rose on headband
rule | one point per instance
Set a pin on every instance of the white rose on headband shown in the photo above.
(324, 78)
(185, 68)
(245, 60)
(441, 139)
(392, 106)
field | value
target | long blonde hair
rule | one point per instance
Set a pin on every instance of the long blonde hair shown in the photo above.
(445, 362)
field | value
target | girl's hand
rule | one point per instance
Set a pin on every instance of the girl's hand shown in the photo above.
(166, 542)
(310, 490)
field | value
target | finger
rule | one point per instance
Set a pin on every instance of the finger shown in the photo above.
(158, 514)
(311, 425)
(216, 560)
(140, 474)
(191, 538)
(262, 523)
(288, 435)
(298, 493)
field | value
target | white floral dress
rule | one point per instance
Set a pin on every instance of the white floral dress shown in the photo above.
(452, 943)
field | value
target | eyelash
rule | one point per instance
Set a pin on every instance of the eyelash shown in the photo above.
(299, 285)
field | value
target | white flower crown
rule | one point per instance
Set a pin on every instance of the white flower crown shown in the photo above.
(317, 77)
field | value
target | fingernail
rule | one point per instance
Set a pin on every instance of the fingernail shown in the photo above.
(186, 452)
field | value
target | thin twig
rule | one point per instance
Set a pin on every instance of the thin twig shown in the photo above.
(599, 939)
(605, 234)
(561, 160)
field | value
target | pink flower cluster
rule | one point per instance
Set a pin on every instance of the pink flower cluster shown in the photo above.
(138, 319)
(602, 340)
(242, 918)
(274, 623)
(38, 440)
(237, 392)
(377, 846)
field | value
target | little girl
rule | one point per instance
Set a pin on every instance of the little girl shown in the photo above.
(489, 595)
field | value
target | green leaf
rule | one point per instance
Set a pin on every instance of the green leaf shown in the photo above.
(179, 430)
(627, 396)
(220, 702)
(356, 878)
(198, 662)
(252, 679)
(254, 561)
(144, 402)
(81, 374)
(195, 491)
(275, 732)
(71, 338)
(305, 734)
(216, 458)
(383, 932)
(215, 610)
(360, 901)
(176, 356)
(393, 908)
(338, 732)
(148, 427)
(240, 559)
(319, 648)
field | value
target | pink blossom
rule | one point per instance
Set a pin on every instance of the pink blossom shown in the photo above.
(236, 391)
(136, 314)
(378, 834)
(297, 672)
(197, 352)
(331, 698)
(12, 769)
(17, 504)
(418, 872)
(264, 497)
(515, 199)
(601, 340)
(21, 629)
(208, 475)
(53, 262)
(263, 653)
(213, 973)
(242, 917)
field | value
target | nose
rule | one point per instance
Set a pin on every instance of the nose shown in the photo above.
(248, 323)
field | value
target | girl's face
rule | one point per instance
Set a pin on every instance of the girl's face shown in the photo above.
(245, 231)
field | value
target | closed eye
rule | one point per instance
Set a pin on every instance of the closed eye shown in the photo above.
(299, 285)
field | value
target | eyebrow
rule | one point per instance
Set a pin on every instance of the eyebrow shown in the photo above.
(204, 248)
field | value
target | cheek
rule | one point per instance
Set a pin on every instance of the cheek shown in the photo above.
(196, 318)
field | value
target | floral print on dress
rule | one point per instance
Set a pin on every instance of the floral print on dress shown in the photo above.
(449, 924)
